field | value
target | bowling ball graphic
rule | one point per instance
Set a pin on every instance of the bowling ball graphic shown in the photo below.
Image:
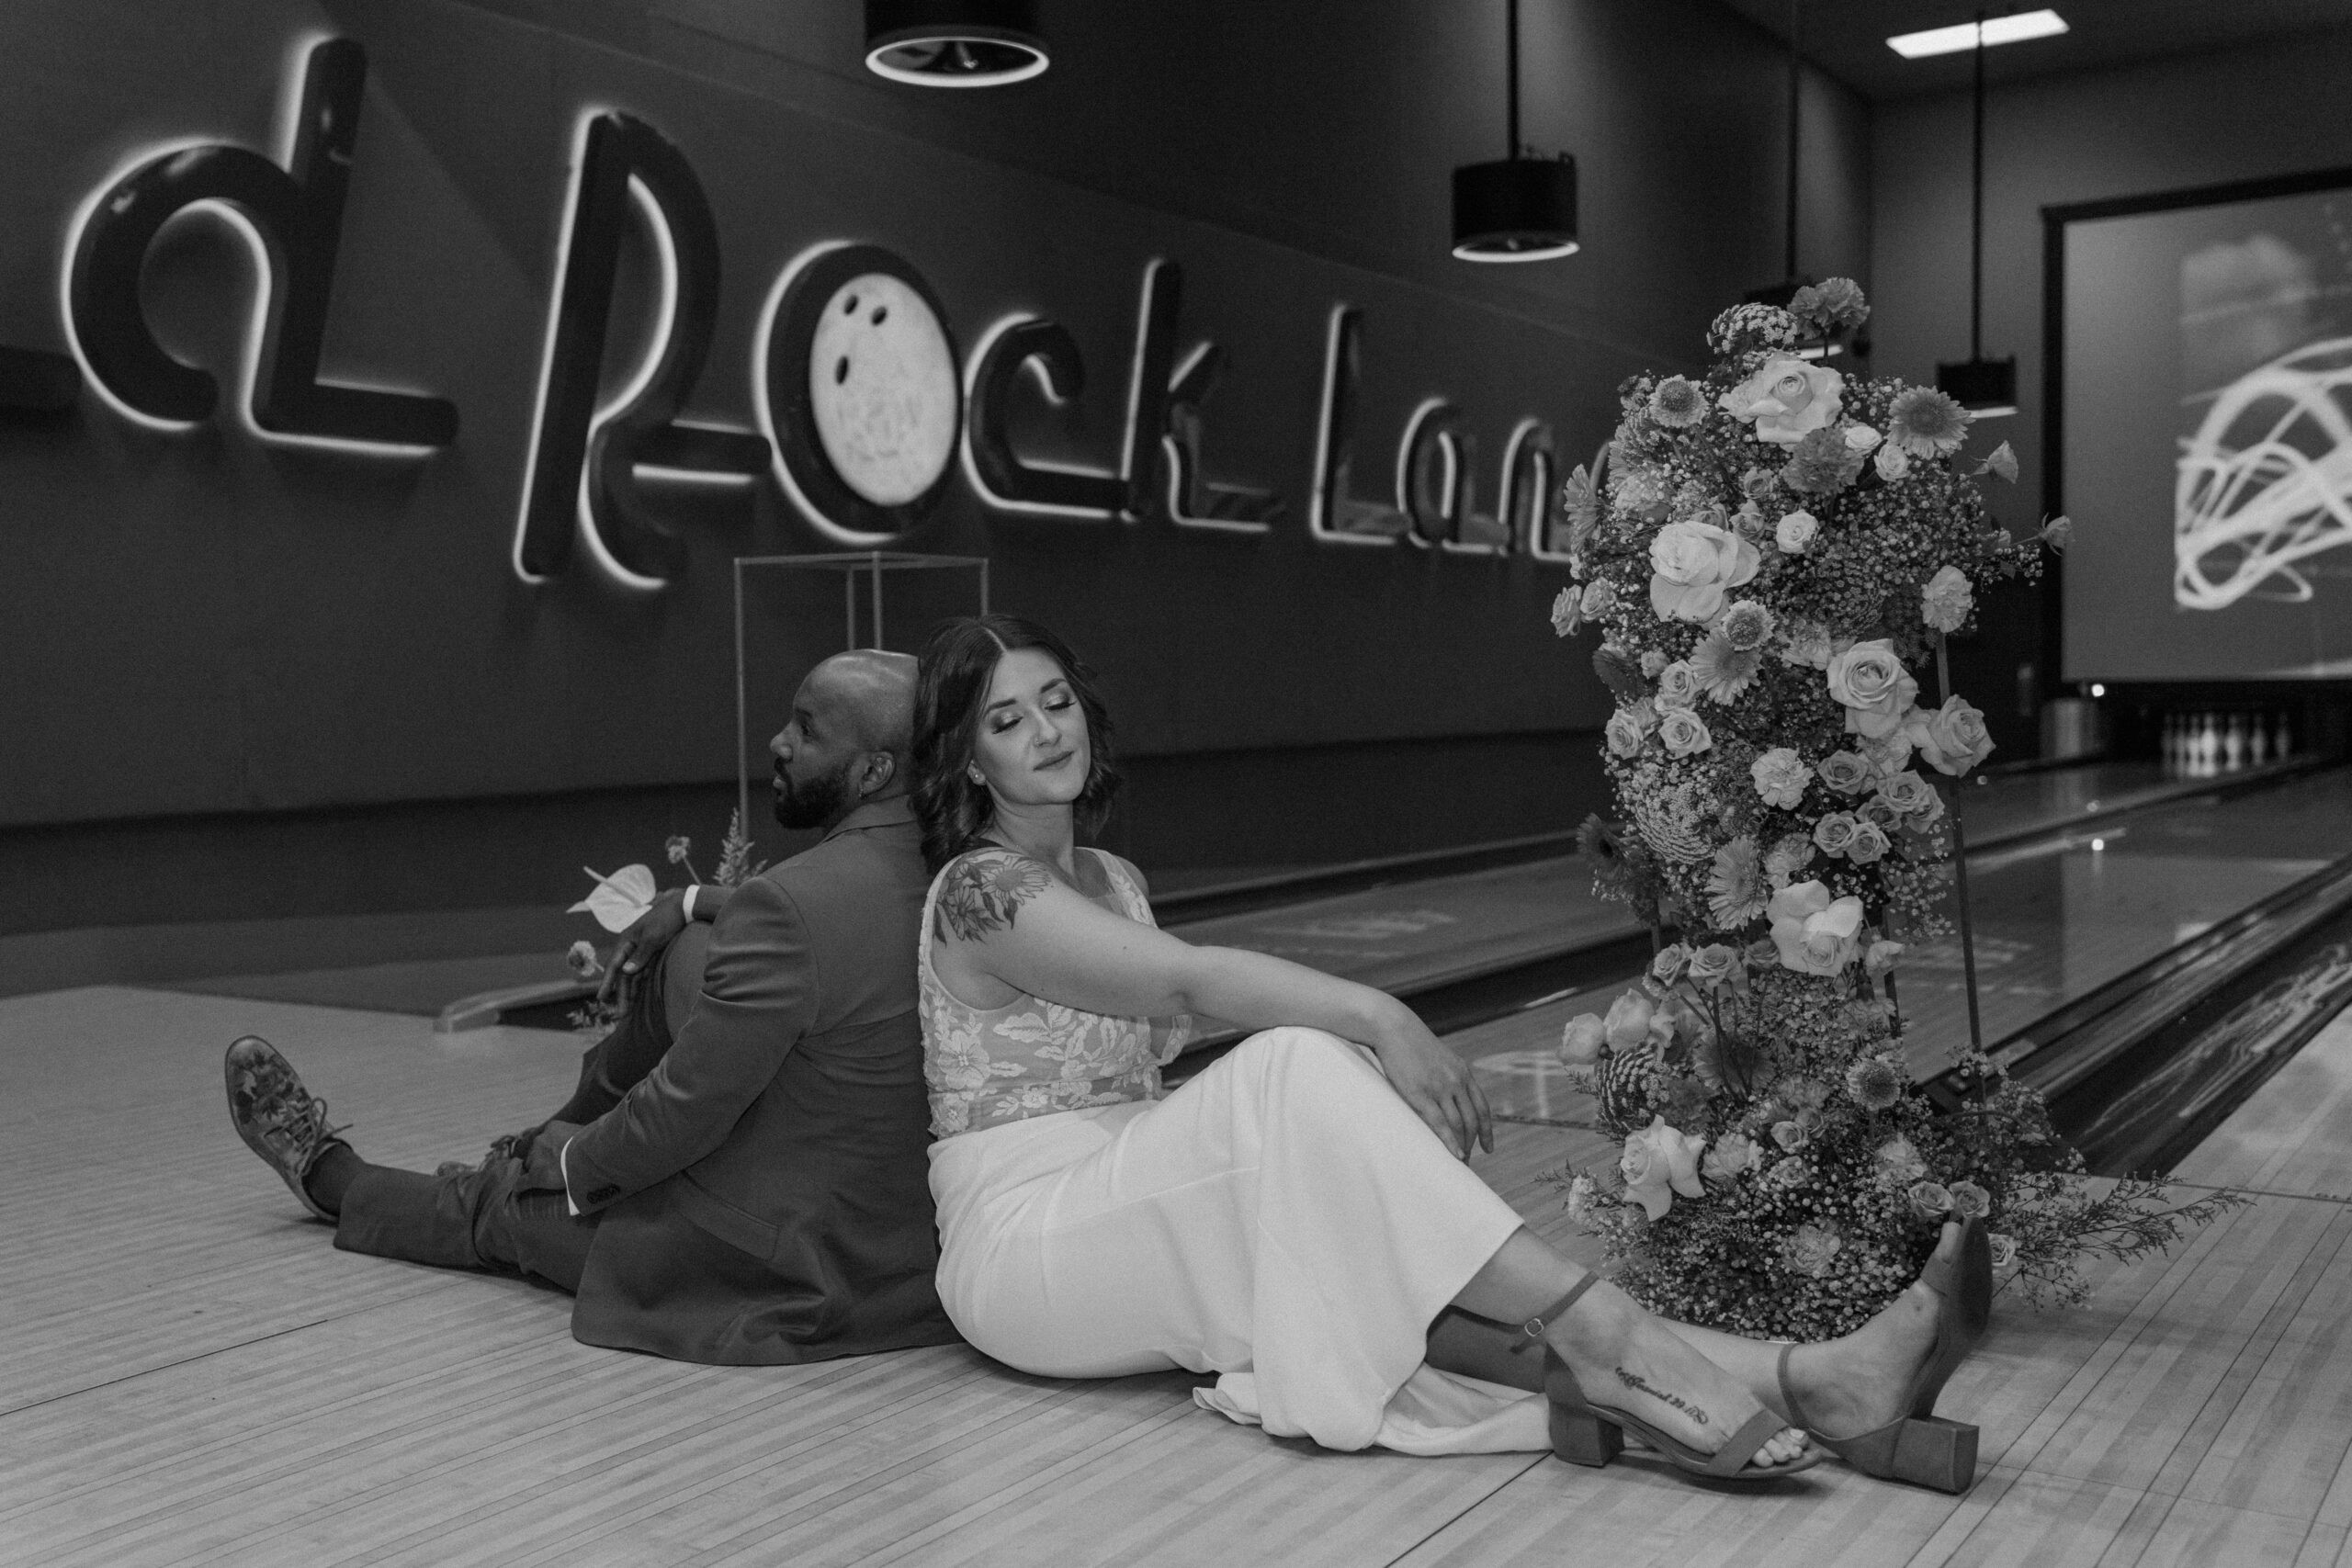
(860, 391)
(882, 386)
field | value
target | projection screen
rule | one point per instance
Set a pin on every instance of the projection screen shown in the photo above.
(2201, 362)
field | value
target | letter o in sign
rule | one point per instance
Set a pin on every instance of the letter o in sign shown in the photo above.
(859, 393)
(882, 385)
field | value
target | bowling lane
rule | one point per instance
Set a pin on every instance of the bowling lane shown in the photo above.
(2055, 921)
(1410, 936)
(2001, 810)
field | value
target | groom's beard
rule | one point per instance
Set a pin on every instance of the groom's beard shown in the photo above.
(814, 803)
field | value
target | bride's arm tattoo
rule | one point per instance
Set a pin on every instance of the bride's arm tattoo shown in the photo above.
(1692, 1411)
(985, 891)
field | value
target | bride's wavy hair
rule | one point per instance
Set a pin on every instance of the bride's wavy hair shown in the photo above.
(950, 694)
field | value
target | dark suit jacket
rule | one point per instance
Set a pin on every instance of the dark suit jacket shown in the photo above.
(764, 1194)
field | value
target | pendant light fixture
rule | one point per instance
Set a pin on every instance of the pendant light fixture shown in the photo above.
(954, 43)
(1517, 209)
(1985, 388)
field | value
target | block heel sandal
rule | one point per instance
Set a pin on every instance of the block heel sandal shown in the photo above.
(1587, 1434)
(1922, 1448)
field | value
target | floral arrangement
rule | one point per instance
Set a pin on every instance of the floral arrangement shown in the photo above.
(618, 900)
(1774, 553)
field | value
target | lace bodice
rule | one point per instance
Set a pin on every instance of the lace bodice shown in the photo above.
(1032, 1057)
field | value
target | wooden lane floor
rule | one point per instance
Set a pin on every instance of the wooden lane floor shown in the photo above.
(193, 1375)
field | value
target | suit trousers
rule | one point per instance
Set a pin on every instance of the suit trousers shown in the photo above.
(509, 1216)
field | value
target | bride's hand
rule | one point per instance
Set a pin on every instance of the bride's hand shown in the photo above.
(1439, 1086)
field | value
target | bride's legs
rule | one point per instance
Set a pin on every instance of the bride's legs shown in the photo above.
(1628, 1358)
(1850, 1384)
(1854, 1384)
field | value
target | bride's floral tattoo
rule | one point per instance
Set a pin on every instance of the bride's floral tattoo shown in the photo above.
(1692, 1411)
(984, 891)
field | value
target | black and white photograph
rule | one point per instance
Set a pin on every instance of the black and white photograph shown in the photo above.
(1026, 783)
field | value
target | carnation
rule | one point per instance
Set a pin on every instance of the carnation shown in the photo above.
(1898, 1160)
(1821, 463)
(1788, 857)
(1947, 601)
(1807, 644)
(1926, 422)
(1809, 1249)
(1781, 777)
(1747, 625)
(1833, 305)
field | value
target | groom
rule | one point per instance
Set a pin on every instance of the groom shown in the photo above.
(755, 1191)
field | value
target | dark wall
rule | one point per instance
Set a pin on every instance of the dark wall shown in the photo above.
(2230, 114)
(207, 629)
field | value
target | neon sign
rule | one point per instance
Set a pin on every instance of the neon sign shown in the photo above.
(292, 218)
(863, 405)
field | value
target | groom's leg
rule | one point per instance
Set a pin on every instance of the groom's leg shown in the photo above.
(612, 1066)
(510, 1216)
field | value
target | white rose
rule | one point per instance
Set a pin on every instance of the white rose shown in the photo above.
(1796, 531)
(1691, 564)
(1875, 687)
(1786, 399)
(1815, 934)
(1582, 1042)
(1659, 1162)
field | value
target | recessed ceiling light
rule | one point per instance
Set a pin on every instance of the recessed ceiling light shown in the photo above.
(1997, 30)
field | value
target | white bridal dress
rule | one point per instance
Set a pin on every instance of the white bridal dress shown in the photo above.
(1282, 1220)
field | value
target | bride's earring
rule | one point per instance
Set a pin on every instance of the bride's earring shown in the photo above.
(979, 778)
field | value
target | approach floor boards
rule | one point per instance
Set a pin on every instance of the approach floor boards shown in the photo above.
(191, 1374)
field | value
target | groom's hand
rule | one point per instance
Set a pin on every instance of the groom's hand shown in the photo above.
(649, 934)
(1440, 1088)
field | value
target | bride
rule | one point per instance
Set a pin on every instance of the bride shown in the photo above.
(1300, 1215)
